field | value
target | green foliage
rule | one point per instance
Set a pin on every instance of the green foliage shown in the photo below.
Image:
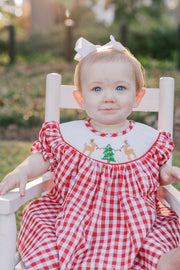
(129, 9)
(12, 118)
(157, 43)
(151, 32)
(3, 46)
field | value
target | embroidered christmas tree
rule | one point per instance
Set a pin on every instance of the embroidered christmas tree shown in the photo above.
(108, 154)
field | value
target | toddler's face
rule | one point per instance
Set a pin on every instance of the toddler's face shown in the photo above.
(109, 93)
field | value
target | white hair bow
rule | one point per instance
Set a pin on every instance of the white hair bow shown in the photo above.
(83, 47)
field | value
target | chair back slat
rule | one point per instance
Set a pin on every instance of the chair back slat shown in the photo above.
(150, 101)
(159, 100)
(67, 100)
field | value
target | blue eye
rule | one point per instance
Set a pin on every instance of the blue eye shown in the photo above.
(97, 89)
(120, 88)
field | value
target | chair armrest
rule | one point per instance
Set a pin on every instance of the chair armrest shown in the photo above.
(170, 195)
(10, 202)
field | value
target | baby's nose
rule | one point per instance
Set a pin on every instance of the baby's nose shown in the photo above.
(109, 96)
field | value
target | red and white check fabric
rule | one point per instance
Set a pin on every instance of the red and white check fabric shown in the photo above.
(98, 215)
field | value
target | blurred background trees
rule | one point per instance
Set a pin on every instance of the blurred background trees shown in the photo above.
(147, 27)
(45, 35)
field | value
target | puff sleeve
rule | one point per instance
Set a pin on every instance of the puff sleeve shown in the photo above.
(48, 137)
(163, 148)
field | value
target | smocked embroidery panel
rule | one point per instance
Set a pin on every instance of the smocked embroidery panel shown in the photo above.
(125, 146)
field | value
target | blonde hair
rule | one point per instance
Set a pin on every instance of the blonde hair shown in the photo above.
(111, 55)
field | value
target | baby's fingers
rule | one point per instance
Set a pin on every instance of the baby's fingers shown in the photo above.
(4, 187)
(22, 188)
(1, 189)
(11, 180)
(176, 174)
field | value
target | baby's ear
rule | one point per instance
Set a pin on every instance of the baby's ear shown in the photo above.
(77, 95)
(139, 96)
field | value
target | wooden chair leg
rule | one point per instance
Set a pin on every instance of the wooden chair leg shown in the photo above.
(8, 241)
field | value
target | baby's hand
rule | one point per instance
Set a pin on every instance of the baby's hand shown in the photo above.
(169, 174)
(18, 178)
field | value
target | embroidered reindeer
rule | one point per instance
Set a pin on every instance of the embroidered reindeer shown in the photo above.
(89, 147)
(128, 151)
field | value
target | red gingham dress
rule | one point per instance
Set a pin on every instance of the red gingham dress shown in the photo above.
(100, 214)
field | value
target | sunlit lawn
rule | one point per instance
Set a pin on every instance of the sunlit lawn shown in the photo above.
(11, 154)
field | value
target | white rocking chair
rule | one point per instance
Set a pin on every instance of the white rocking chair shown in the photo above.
(58, 96)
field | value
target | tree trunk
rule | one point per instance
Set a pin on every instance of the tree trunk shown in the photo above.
(124, 33)
(43, 15)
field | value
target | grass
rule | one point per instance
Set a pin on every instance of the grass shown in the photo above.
(11, 154)
(22, 92)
